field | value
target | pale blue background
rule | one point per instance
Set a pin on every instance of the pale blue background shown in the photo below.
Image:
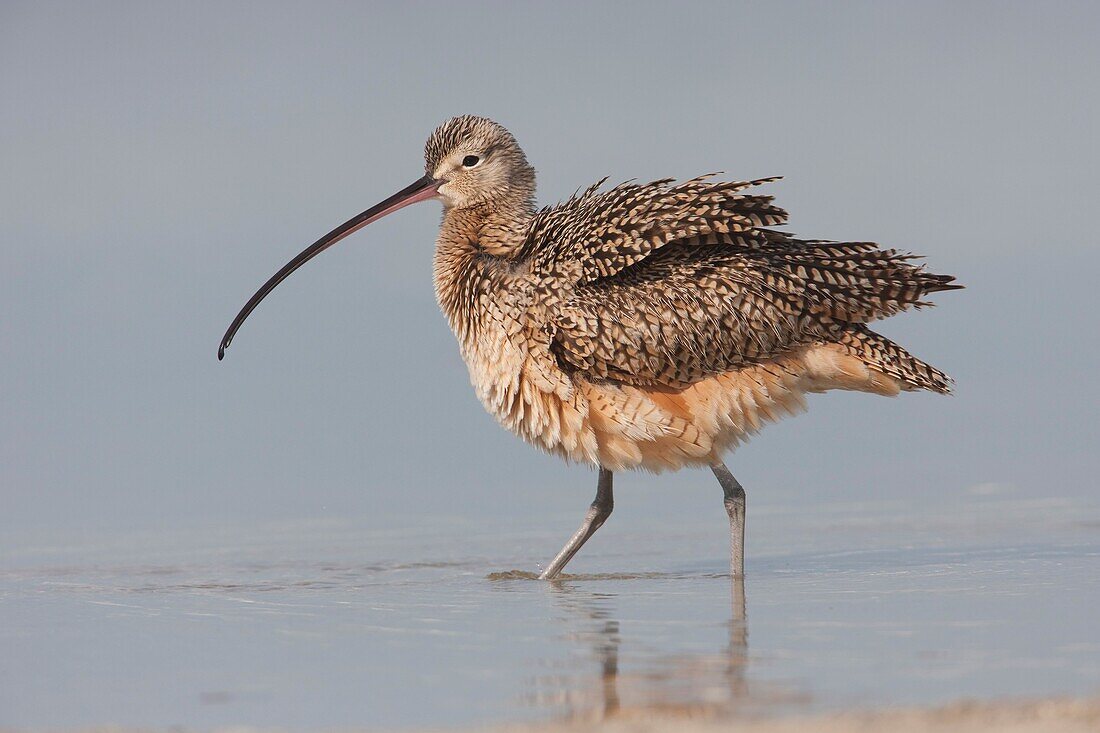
(161, 160)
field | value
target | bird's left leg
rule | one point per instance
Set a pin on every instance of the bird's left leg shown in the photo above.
(735, 508)
(597, 515)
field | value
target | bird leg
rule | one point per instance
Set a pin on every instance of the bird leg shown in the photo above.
(597, 515)
(735, 508)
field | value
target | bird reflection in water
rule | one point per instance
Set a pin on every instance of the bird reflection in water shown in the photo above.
(687, 685)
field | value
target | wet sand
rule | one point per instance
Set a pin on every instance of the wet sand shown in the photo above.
(1051, 715)
(1045, 715)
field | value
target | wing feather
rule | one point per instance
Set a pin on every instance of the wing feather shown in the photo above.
(597, 234)
(664, 284)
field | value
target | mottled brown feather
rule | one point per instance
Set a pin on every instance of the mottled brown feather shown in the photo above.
(681, 282)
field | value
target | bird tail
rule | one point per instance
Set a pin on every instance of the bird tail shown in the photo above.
(883, 355)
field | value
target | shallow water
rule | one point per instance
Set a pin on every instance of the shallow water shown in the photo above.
(323, 624)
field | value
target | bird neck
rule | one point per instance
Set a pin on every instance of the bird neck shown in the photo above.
(473, 257)
(496, 227)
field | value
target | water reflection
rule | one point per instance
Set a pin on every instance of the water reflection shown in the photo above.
(691, 685)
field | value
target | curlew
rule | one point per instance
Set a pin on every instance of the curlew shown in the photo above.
(644, 326)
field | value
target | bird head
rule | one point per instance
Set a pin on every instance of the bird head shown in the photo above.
(478, 162)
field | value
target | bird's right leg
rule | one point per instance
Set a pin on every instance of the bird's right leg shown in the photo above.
(597, 515)
(735, 508)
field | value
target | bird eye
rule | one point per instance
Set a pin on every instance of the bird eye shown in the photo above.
(470, 161)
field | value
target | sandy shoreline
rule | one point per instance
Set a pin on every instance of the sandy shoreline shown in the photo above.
(1046, 715)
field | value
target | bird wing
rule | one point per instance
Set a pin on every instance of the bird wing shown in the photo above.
(596, 234)
(660, 302)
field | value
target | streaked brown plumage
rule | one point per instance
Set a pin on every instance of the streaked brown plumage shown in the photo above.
(647, 325)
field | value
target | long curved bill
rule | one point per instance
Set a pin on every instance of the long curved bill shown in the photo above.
(422, 190)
